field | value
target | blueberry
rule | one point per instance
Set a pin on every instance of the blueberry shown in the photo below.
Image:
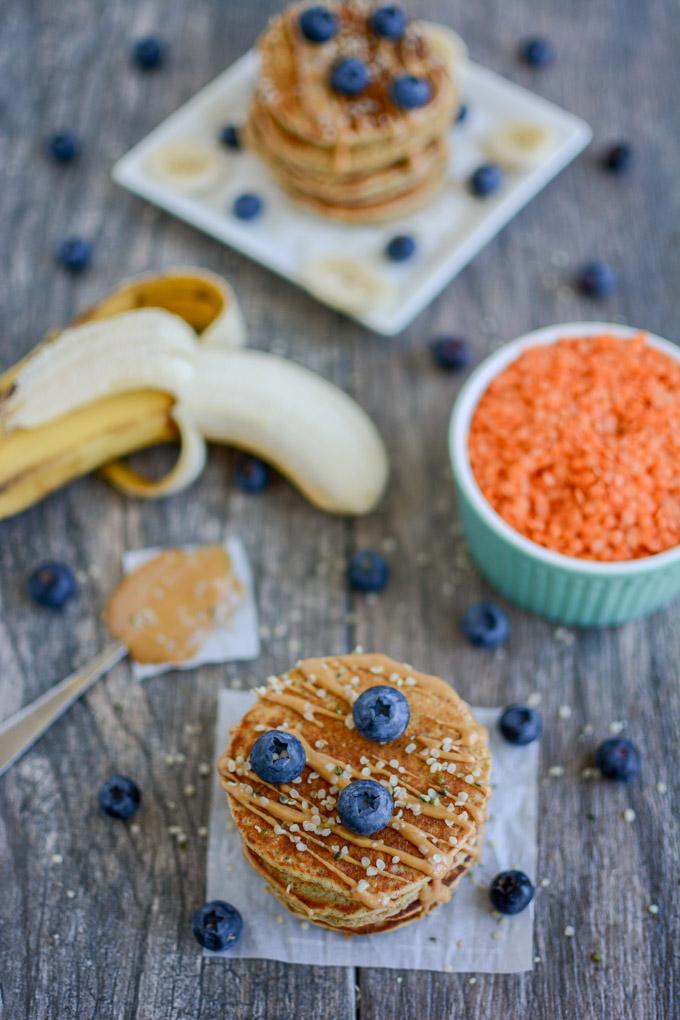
(368, 571)
(485, 180)
(618, 158)
(52, 585)
(230, 137)
(462, 115)
(217, 925)
(74, 254)
(349, 77)
(63, 146)
(401, 248)
(381, 713)
(485, 625)
(247, 207)
(452, 353)
(520, 725)
(277, 757)
(251, 474)
(511, 892)
(411, 92)
(597, 280)
(365, 807)
(389, 22)
(618, 759)
(537, 52)
(149, 52)
(119, 797)
(318, 24)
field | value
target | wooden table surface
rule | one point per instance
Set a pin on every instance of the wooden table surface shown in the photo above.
(95, 916)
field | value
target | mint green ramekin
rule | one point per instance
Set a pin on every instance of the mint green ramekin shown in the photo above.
(564, 589)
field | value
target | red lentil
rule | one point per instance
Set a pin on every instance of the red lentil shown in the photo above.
(576, 445)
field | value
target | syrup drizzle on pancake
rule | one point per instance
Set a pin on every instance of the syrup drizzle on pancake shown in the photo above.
(318, 829)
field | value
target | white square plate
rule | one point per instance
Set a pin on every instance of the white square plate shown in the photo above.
(450, 230)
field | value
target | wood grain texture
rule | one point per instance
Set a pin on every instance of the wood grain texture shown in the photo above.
(120, 947)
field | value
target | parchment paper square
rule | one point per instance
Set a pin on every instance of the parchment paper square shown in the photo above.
(462, 935)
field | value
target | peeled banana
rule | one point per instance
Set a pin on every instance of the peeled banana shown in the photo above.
(159, 361)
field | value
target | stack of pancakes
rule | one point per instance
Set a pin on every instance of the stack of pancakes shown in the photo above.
(438, 773)
(361, 159)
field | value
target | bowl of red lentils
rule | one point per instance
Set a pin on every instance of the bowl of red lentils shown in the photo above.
(565, 448)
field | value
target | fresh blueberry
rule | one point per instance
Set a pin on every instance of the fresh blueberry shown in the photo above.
(63, 146)
(389, 22)
(74, 254)
(511, 892)
(537, 52)
(462, 115)
(365, 807)
(368, 571)
(411, 92)
(149, 52)
(251, 474)
(247, 207)
(230, 137)
(52, 585)
(520, 724)
(349, 77)
(619, 759)
(597, 280)
(381, 713)
(318, 24)
(277, 757)
(452, 353)
(485, 180)
(485, 625)
(119, 797)
(217, 925)
(401, 248)
(618, 158)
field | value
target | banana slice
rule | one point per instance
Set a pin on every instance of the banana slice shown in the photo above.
(348, 284)
(446, 44)
(190, 166)
(519, 145)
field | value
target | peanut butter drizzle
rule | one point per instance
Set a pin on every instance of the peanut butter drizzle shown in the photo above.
(164, 610)
(433, 861)
(299, 705)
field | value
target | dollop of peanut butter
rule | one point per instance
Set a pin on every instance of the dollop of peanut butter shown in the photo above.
(166, 609)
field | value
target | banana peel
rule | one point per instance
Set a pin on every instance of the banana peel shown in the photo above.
(161, 360)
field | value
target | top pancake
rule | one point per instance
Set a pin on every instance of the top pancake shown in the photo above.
(294, 81)
(438, 772)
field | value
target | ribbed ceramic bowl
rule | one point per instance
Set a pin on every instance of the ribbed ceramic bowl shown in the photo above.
(561, 588)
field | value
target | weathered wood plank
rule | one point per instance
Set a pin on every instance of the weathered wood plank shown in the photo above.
(603, 872)
(123, 946)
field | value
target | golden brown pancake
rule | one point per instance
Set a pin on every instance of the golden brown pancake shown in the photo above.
(322, 147)
(437, 771)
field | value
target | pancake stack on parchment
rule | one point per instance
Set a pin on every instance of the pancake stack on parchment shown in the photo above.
(438, 773)
(359, 159)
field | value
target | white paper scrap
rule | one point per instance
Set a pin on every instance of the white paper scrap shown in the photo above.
(236, 640)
